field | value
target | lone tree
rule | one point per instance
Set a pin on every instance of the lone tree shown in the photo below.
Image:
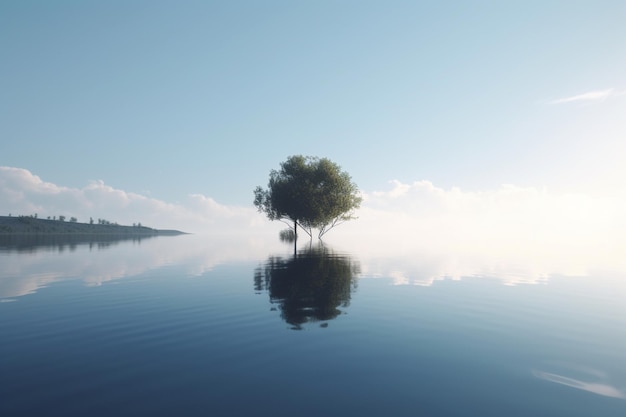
(308, 192)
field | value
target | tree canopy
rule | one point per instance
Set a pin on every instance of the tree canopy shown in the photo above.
(309, 192)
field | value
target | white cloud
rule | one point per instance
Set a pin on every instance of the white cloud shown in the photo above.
(419, 233)
(25, 193)
(591, 96)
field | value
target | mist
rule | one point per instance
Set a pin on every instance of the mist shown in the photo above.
(417, 222)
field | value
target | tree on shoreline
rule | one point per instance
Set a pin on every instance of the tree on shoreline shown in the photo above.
(309, 192)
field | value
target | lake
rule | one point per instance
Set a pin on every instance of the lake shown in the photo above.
(207, 326)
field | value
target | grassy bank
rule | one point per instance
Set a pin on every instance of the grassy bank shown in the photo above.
(21, 225)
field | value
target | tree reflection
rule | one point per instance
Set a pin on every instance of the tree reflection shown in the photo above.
(309, 286)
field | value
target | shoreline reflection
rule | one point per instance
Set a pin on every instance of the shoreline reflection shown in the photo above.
(35, 243)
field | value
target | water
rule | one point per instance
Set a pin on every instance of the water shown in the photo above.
(198, 326)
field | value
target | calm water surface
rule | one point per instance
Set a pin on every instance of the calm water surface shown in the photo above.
(197, 326)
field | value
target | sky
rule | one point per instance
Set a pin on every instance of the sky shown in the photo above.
(452, 112)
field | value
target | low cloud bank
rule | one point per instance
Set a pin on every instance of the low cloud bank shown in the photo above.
(509, 212)
(520, 233)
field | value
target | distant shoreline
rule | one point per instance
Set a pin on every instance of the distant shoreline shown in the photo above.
(26, 225)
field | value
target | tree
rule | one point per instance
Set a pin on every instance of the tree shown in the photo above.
(309, 192)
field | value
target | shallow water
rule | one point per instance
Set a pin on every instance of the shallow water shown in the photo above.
(191, 325)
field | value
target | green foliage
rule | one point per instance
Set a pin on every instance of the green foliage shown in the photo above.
(287, 235)
(310, 192)
(31, 225)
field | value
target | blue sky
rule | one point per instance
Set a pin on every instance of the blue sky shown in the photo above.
(167, 100)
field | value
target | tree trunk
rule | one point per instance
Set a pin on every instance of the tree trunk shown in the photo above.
(295, 238)
(295, 229)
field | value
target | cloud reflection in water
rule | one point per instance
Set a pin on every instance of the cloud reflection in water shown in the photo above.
(29, 269)
(600, 388)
